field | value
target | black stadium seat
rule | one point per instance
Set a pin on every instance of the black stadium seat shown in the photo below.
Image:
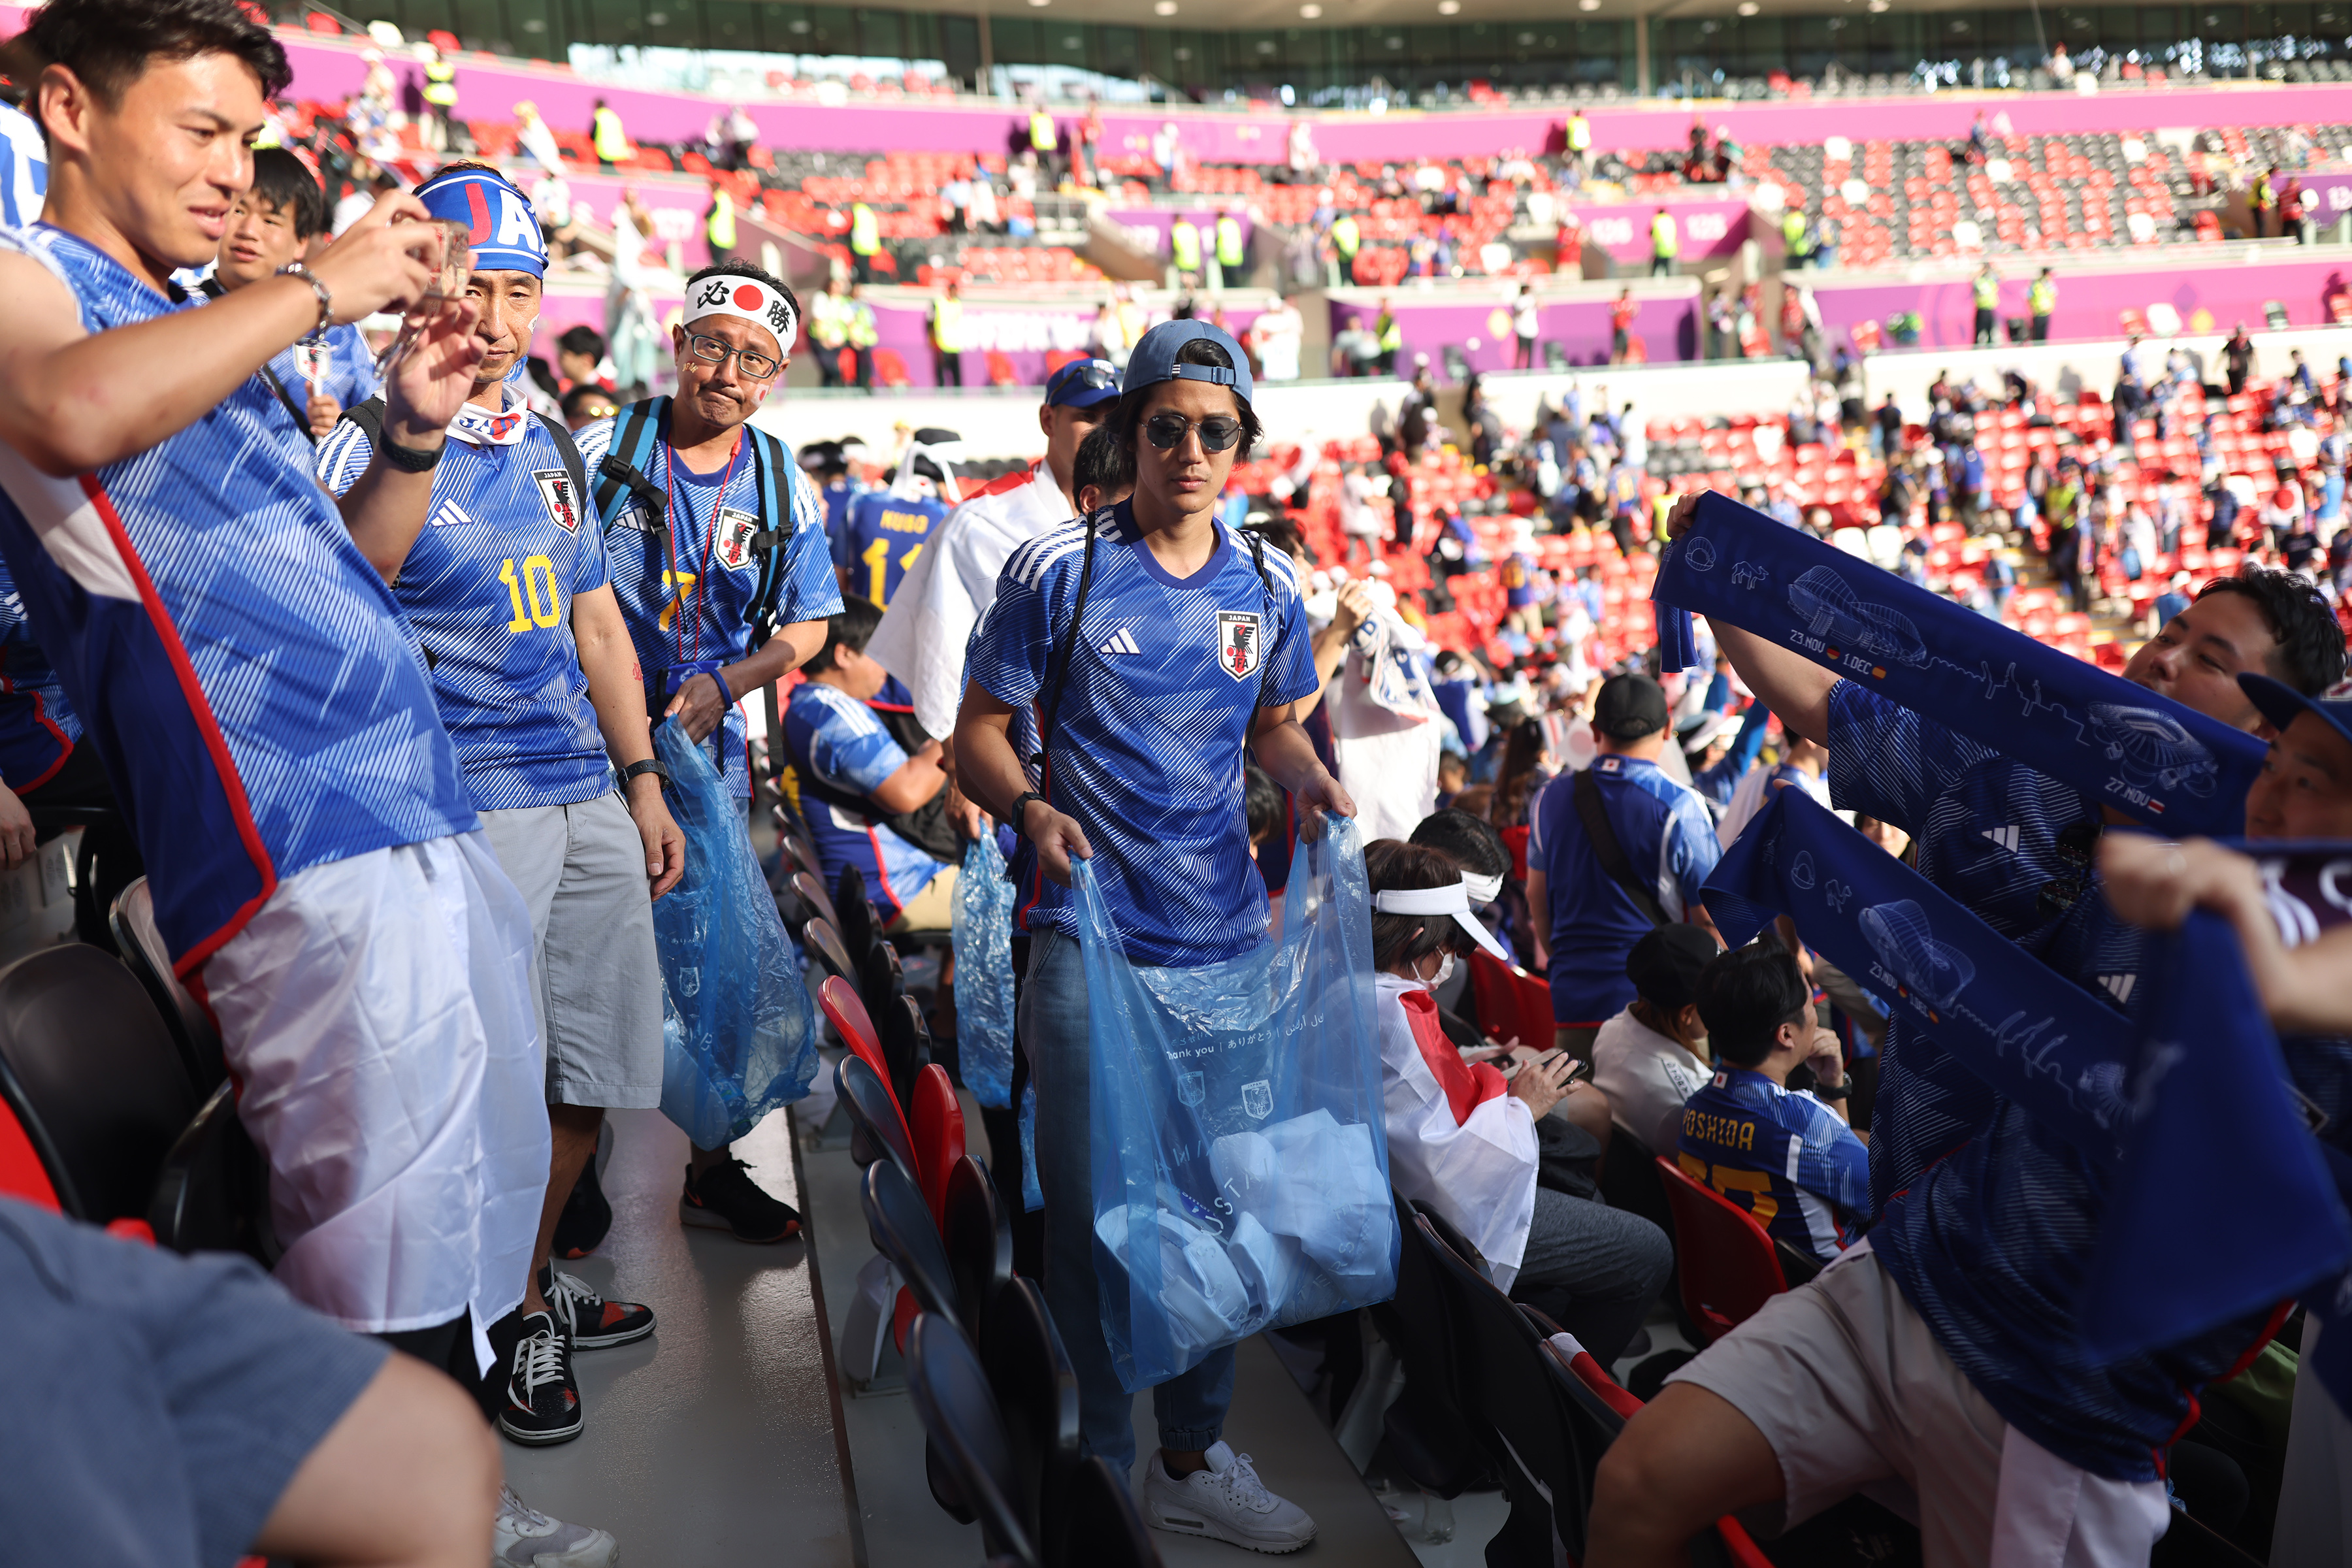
(214, 1192)
(89, 1069)
(979, 1239)
(1038, 1394)
(966, 1429)
(132, 921)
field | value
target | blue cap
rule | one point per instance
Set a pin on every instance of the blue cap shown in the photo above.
(1154, 358)
(505, 230)
(2281, 703)
(1082, 384)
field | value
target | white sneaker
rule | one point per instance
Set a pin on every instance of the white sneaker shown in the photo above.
(1226, 1502)
(525, 1538)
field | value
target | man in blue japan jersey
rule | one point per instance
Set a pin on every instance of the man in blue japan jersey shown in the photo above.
(1788, 1158)
(885, 531)
(534, 676)
(274, 223)
(1981, 1213)
(717, 548)
(854, 777)
(701, 570)
(1189, 645)
(250, 683)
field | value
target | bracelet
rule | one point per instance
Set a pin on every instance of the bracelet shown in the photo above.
(649, 765)
(1021, 808)
(409, 459)
(1833, 1091)
(326, 300)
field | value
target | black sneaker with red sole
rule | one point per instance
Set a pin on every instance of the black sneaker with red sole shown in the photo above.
(728, 1199)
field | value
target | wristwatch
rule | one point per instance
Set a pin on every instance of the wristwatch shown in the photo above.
(1021, 808)
(650, 765)
(1832, 1091)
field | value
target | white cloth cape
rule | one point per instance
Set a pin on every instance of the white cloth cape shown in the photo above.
(1385, 733)
(1479, 1174)
(951, 585)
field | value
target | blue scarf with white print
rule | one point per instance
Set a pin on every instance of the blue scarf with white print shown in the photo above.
(2143, 754)
(2223, 1202)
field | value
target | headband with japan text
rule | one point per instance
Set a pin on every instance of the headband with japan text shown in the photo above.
(732, 294)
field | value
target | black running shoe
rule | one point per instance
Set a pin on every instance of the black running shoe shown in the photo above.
(586, 1318)
(543, 1403)
(726, 1198)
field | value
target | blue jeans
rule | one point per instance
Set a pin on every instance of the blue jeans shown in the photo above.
(1051, 1026)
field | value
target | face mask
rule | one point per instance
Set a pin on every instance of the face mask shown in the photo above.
(1444, 972)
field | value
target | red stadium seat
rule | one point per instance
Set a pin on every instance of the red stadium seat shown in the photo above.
(21, 1173)
(1727, 1264)
(939, 1136)
(846, 1011)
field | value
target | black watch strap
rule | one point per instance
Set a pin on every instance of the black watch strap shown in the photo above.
(650, 765)
(1021, 807)
(1832, 1091)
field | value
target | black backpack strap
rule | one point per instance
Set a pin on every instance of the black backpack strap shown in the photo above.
(1057, 668)
(1586, 792)
(300, 412)
(618, 476)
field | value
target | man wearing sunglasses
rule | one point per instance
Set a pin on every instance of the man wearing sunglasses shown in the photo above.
(1155, 646)
(720, 561)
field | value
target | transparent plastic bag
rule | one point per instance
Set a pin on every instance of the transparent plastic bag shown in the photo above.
(739, 1033)
(983, 976)
(1237, 1124)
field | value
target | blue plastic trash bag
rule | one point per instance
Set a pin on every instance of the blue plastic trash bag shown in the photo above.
(739, 1034)
(1241, 1170)
(983, 976)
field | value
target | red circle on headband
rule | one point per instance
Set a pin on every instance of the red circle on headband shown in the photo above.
(747, 296)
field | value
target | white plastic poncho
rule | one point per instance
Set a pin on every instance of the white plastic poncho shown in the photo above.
(1458, 1144)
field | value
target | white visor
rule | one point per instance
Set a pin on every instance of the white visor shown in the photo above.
(1452, 900)
(731, 294)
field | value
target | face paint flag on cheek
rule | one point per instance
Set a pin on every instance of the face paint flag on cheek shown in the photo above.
(2120, 744)
(747, 299)
(504, 230)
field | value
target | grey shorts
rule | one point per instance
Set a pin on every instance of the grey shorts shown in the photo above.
(581, 870)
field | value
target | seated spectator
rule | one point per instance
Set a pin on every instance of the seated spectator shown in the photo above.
(585, 403)
(853, 777)
(1496, 896)
(169, 1409)
(1801, 1171)
(1649, 1059)
(1465, 1139)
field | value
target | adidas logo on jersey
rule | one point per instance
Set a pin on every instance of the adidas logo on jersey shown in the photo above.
(1121, 641)
(449, 514)
(2004, 836)
(2119, 985)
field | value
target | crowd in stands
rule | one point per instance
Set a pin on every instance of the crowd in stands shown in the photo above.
(410, 785)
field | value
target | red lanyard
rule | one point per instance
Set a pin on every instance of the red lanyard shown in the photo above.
(709, 541)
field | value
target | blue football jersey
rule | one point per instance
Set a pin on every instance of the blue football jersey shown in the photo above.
(837, 741)
(881, 539)
(37, 726)
(1668, 837)
(698, 604)
(489, 586)
(247, 678)
(23, 168)
(1787, 1159)
(1152, 718)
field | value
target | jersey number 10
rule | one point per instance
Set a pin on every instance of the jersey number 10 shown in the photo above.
(537, 576)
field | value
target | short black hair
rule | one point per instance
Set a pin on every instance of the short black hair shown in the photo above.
(581, 339)
(1126, 420)
(2310, 655)
(1096, 463)
(1390, 865)
(580, 393)
(1744, 997)
(1283, 534)
(1472, 842)
(108, 43)
(851, 627)
(285, 183)
(1261, 801)
(733, 267)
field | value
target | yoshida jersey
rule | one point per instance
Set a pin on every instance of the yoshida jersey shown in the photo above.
(37, 726)
(1160, 699)
(837, 741)
(488, 585)
(2012, 844)
(883, 538)
(247, 678)
(1786, 1158)
(697, 605)
(1668, 835)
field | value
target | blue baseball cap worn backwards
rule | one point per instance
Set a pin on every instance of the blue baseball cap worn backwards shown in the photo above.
(506, 237)
(1082, 384)
(1154, 358)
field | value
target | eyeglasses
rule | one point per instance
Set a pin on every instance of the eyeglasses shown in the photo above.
(711, 351)
(1218, 432)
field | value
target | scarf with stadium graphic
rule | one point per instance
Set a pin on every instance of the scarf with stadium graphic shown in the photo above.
(2222, 1203)
(2145, 754)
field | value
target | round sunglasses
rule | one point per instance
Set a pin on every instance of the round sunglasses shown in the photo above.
(1218, 432)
